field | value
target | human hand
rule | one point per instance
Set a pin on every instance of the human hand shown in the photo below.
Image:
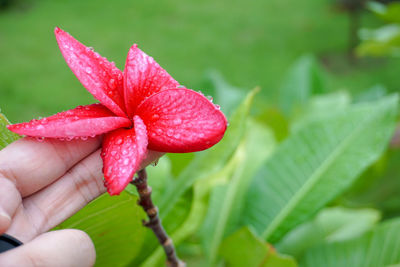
(41, 185)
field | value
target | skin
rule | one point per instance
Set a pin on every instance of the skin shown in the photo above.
(41, 185)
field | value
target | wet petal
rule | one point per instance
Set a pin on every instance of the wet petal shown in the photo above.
(143, 77)
(83, 121)
(181, 120)
(100, 77)
(123, 151)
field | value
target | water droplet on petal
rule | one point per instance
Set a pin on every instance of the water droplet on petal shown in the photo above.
(170, 132)
(177, 121)
(118, 141)
(88, 70)
(112, 84)
(155, 117)
(40, 139)
(177, 136)
(126, 161)
(113, 152)
(159, 131)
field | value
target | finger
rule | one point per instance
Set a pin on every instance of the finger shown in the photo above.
(33, 165)
(10, 199)
(54, 204)
(62, 248)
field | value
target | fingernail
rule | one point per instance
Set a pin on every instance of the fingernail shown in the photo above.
(4, 216)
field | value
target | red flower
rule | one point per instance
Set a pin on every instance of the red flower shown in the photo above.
(141, 108)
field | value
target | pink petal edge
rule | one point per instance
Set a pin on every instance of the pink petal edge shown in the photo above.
(122, 153)
(100, 77)
(181, 120)
(143, 77)
(82, 121)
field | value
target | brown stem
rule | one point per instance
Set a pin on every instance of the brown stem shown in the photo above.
(154, 222)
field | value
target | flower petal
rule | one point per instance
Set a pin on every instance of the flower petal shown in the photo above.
(82, 121)
(123, 151)
(181, 120)
(100, 77)
(143, 77)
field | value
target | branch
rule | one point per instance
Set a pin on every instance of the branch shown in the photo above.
(154, 222)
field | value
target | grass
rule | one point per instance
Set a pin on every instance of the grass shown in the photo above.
(250, 42)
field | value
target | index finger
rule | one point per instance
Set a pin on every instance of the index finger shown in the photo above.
(32, 165)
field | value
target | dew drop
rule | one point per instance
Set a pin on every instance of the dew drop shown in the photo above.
(155, 117)
(170, 132)
(113, 152)
(112, 84)
(177, 121)
(118, 141)
(109, 170)
(159, 131)
(177, 136)
(88, 70)
(40, 139)
(126, 161)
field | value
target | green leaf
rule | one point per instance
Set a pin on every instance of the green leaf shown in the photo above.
(227, 200)
(303, 80)
(6, 136)
(330, 225)
(384, 41)
(225, 95)
(114, 225)
(389, 12)
(371, 94)
(320, 108)
(197, 211)
(210, 161)
(315, 164)
(379, 247)
(244, 248)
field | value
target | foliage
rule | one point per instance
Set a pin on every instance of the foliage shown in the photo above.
(268, 196)
(384, 41)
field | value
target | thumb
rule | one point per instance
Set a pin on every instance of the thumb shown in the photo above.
(62, 248)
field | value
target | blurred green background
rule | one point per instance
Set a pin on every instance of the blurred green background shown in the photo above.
(250, 42)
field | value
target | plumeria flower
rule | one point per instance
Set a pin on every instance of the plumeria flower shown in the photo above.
(142, 108)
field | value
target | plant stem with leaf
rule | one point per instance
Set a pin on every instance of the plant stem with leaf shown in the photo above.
(154, 222)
